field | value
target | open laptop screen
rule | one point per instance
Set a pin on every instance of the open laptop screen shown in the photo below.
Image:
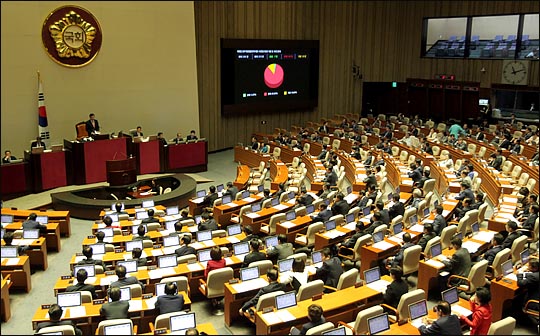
(160, 289)
(378, 324)
(366, 210)
(8, 251)
(201, 193)
(413, 219)
(226, 199)
(290, 215)
(90, 269)
(310, 208)
(98, 248)
(204, 255)
(426, 211)
(349, 218)
(271, 241)
(475, 227)
(316, 257)
(130, 245)
(204, 235)
(148, 204)
(285, 265)
(249, 273)
(378, 236)
(286, 300)
(435, 250)
(171, 241)
(31, 233)
(256, 207)
(450, 295)
(506, 267)
(330, 225)
(141, 215)
(169, 225)
(524, 256)
(130, 265)
(167, 261)
(398, 228)
(70, 299)
(219, 188)
(418, 309)
(241, 248)
(275, 201)
(107, 231)
(182, 322)
(118, 329)
(372, 274)
(245, 194)
(7, 218)
(172, 210)
(335, 331)
(234, 229)
(42, 219)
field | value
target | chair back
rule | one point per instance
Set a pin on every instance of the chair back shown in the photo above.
(516, 172)
(355, 210)
(507, 167)
(481, 152)
(436, 150)
(318, 330)
(360, 324)
(216, 279)
(147, 243)
(395, 151)
(263, 265)
(80, 128)
(500, 257)
(482, 213)
(219, 234)
(408, 213)
(477, 275)
(311, 231)
(362, 241)
(406, 300)
(279, 217)
(339, 218)
(308, 290)
(86, 297)
(276, 153)
(103, 324)
(530, 183)
(403, 155)
(335, 144)
(395, 220)
(135, 289)
(421, 206)
(267, 300)
(446, 235)
(347, 279)
(306, 148)
(462, 225)
(181, 282)
(153, 226)
(64, 329)
(471, 148)
(186, 258)
(380, 228)
(301, 255)
(517, 247)
(411, 259)
(505, 326)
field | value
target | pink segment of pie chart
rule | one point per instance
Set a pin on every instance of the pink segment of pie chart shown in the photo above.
(273, 75)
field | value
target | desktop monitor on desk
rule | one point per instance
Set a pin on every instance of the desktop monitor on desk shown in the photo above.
(171, 241)
(204, 235)
(256, 207)
(118, 329)
(241, 248)
(31, 234)
(291, 215)
(270, 241)
(90, 270)
(130, 265)
(148, 204)
(7, 219)
(203, 255)
(8, 252)
(98, 248)
(42, 220)
(172, 210)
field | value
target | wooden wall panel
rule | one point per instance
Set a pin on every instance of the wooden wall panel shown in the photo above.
(381, 37)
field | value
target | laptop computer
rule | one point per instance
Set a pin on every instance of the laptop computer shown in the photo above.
(234, 229)
(260, 188)
(130, 245)
(118, 329)
(378, 324)
(245, 194)
(204, 235)
(219, 188)
(524, 256)
(167, 261)
(507, 267)
(171, 241)
(198, 219)
(417, 311)
(309, 209)
(475, 227)
(8, 219)
(169, 225)
(256, 207)
(130, 265)
(200, 193)
(398, 229)
(90, 270)
(335, 331)
(290, 195)
(378, 236)
(180, 323)
(349, 218)
(98, 248)
(148, 204)
(249, 273)
(31, 234)
(372, 278)
(366, 210)
(70, 299)
(413, 220)
(203, 255)
(172, 210)
(285, 265)
(125, 294)
(330, 225)
(451, 296)
(316, 257)
(42, 220)
(141, 215)
(2, 232)
(286, 300)
(270, 241)
(426, 212)
(435, 250)
(160, 289)
(291, 215)
(241, 248)
(226, 199)
(9, 252)
(275, 201)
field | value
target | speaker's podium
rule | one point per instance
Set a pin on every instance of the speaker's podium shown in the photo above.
(121, 172)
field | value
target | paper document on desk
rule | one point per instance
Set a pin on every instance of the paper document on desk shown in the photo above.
(445, 213)
(457, 309)
(511, 276)
(106, 281)
(252, 215)
(157, 252)
(287, 224)
(151, 302)
(78, 311)
(509, 199)
(485, 236)
(417, 228)
(209, 243)
(379, 285)
(417, 322)
(79, 258)
(396, 239)
(351, 226)
(136, 222)
(169, 249)
(135, 305)
(197, 246)
(241, 256)
(284, 315)
(171, 217)
(233, 239)
(12, 261)
(333, 234)
(246, 286)
(280, 207)
(350, 198)
(194, 267)
(434, 263)
(271, 318)
(249, 199)
(198, 200)
(471, 246)
(383, 245)
(508, 216)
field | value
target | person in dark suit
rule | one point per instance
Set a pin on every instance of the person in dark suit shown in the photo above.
(170, 302)
(496, 247)
(31, 223)
(207, 223)
(282, 250)
(439, 222)
(151, 218)
(315, 317)
(466, 207)
(38, 143)
(254, 253)
(415, 174)
(513, 234)
(460, 263)
(372, 193)
(375, 222)
(330, 270)
(107, 220)
(87, 251)
(397, 288)
(465, 192)
(92, 125)
(323, 193)
(340, 205)
(397, 260)
(231, 190)
(248, 231)
(324, 128)
(191, 136)
(478, 201)
(209, 199)
(55, 314)
(8, 157)
(370, 180)
(273, 286)
(304, 198)
(178, 138)
(331, 176)
(141, 234)
(530, 280)
(424, 178)
(118, 209)
(385, 215)
(323, 215)
(136, 254)
(349, 243)
(123, 280)
(398, 208)
(184, 248)
(427, 236)
(8, 239)
(324, 151)
(531, 219)
(138, 132)
(115, 309)
(162, 139)
(496, 160)
(446, 324)
(80, 286)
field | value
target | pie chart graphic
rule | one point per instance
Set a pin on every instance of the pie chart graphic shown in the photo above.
(273, 75)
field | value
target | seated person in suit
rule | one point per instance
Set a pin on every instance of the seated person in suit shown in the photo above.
(170, 302)
(417, 198)
(273, 286)
(349, 243)
(178, 138)
(80, 286)
(151, 218)
(398, 208)
(184, 248)
(397, 260)
(120, 271)
(281, 189)
(370, 179)
(397, 288)
(107, 220)
(496, 247)
(100, 237)
(323, 215)
(316, 318)
(298, 276)
(460, 262)
(191, 136)
(231, 190)
(385, 215)
(439, 222)
(304, 198)
(184, 214)
(115, 309)
(8, 240)
(8, 157)
(92, 125)
(465, 192)
(427, 236)
(87, 251)
(136, 254)
(282, 250)
(207, 223)
(375, 222)
(210, 197)
(38, 143)
(216, 261)
(31, 223)
(162, 139)
(138, 132)
(141, 234)
(372, 194)
(248, 231)
(331, 176)
(363, 199)
(340, 205)
(446, 323)
(466, 207)
(118, 209)
(529, 222)
(530, 280)
(323, 193)
(478, 201)
(330, 270)
(254, 253)
(513, 233)
(55, 314)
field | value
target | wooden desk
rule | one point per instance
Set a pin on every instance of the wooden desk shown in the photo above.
(19, 273)
(255, 219)
(5, 304)
(371, 255)
(62, 217)
(242, 177)
(130, 211)
(279, 173)
(502, 295)
(37, 253)
(323, 240)
(249, 157)
(224, 212)
(234, 300)
(52, 236)
(290, 229)
(208, 328)
(342, 305)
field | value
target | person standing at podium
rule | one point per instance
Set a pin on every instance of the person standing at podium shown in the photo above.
(92, 125)
(38, 143)
(191, 136)
(8, 157)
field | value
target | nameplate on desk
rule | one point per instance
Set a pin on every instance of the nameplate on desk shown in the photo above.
(118, 250)
(151, 268)
(78, 254)
(46, 306)
(125, 233)
(233, 281)
(65, 277)
(91, 237)
(160, 331)
(109, 272)
(98, 301)
(316, 297)
(228, 254)
(156, 246)
(268, 309)
(192, 261)
(358, 284)
(147, 296)
(321, 231)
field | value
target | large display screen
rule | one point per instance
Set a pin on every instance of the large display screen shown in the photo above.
(268, 75)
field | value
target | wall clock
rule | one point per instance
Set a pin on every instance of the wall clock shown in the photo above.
(515, 72)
